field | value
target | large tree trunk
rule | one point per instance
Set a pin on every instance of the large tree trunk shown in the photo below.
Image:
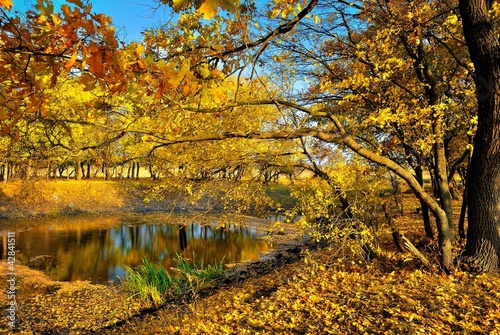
(482, 251)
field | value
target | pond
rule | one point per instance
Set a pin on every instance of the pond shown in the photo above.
(97, 248)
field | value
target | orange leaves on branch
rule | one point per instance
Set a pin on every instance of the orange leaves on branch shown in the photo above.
(54, 43)
(95, 59)
(66, 10)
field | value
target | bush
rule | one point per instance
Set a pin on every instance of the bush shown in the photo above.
(343, 209)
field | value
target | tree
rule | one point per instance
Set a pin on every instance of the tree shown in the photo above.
(373, 78)
(348, 109)
(482, 251)
(159, 69)
(380, 65)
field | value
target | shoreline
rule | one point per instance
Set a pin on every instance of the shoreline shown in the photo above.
(110, 305)
(42, 198)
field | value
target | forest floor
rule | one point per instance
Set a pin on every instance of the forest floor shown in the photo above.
(312, 291)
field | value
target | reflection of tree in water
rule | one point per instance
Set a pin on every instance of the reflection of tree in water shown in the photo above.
(183, 242)
(88, 251)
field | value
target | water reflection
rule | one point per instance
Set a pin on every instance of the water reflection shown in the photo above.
(96, 249)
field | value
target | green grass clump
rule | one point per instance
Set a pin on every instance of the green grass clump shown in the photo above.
(154, 283)
(193, 278)
(149, 282)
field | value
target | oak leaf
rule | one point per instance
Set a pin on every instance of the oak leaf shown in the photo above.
(76, 2)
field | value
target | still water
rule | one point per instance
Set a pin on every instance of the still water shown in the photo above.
(96, 248)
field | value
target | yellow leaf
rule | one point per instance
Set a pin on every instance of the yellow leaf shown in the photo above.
(56, 19)
(209, 9)
(6, 4)
(186, 68)
(178, 4)
(452, 19)
(204, 71)
(175, 79)
(139, 49)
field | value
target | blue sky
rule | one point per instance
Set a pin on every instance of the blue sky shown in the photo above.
(131, 16)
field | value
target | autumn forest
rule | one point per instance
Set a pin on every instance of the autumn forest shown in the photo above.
(370, 127)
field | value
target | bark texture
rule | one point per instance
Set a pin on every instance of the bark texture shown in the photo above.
(482, 250)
